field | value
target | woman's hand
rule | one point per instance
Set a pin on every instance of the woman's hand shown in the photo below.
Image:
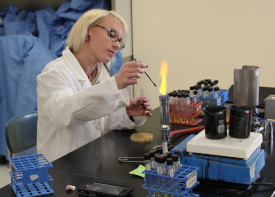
(139, 107)
(129, 73)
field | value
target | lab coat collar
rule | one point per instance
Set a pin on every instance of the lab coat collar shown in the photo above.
(76, 68)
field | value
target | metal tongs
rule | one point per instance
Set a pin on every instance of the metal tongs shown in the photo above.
(131, 159)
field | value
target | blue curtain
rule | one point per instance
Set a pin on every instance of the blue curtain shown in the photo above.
(28, 41)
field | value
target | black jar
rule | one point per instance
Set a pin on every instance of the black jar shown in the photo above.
(215, 122)
(240, 121)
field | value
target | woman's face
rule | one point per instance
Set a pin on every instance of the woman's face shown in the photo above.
(100, 44)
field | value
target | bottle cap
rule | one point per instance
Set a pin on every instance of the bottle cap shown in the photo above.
(195, 92)
(147, 156)
(169, 153)
(212, 83)
(159, 150)
(175, 157)
(205, 88)
(174, 91)
(216, 88)
(191, 88)
(196, 87)
(152, 153)
(210, 89)
(187, 91)
(177, 152)
(170, 147)
(170, 94)
(157, 157)
(208, 80)
(179, 91)
(205, 83)
(169, 161)
(161, 159)
(174, 94)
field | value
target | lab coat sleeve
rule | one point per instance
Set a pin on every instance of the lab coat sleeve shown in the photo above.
(66, 108)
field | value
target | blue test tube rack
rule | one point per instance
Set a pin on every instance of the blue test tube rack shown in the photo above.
(30, 176)
(182, 184)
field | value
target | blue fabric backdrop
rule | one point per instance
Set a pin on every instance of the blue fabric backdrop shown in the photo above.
(28, 41)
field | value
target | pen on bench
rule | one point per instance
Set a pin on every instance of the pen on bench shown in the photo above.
(147, 75)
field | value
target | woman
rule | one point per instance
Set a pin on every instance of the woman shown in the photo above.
(78, 101)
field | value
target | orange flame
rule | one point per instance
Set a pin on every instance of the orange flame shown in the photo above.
(163, 75)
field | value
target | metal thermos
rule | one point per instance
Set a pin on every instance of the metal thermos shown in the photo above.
(246, 86)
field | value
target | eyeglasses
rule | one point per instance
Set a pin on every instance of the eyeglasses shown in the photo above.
(114, 36)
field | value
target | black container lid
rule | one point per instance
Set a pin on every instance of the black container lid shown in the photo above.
(175, 157)
(174, 91)
(212, 83)
(216, 81)
(165, 156)
(191, 88)
(177, 152)
(208, 80)
(159, 150)
(147, 156)
(195, 92)
(199, 86)
(174, 94)
(169, 161)
(170, 94)
(216, 88)
(170, 147)
(196, 87)
(169, 153)
(187, 91)
(200, 82)
(152, 153)
(179, 95)
(210, 89)
(161, 159)
(205, 88)
(157, 157)
(180, 91)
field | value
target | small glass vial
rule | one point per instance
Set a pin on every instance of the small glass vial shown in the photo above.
(170, 167)
(195, 97)
(152, 158)
(205, 92)
(191, 91)
(216, 92)
(147, 161)
(161, 167)
(141, 98)
(210, 89)
(176, 162)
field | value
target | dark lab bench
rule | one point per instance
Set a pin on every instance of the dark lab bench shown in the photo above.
(98, 160)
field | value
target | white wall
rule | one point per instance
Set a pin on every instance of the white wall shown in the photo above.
(202, 39)
(124, 9)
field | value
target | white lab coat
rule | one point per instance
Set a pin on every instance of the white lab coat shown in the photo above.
(72, 112)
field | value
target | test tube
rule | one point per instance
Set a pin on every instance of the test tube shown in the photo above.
(141, 98)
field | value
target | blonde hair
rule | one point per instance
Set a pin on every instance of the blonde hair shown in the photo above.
(76, 38)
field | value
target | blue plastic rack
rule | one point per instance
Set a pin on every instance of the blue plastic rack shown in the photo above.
(222, 98)
(182, 184)
(30, 177)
